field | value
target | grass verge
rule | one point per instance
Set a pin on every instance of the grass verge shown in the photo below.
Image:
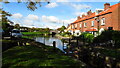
(33, 33)
(36, 56)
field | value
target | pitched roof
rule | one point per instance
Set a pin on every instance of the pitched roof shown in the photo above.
(101, 13)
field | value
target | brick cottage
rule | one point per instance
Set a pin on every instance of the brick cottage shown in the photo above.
(98, 21)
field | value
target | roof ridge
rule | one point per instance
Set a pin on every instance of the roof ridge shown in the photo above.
(93, 14)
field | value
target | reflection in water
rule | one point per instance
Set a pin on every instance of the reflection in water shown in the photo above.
(49, 41)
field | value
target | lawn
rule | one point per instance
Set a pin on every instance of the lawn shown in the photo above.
(34, 56)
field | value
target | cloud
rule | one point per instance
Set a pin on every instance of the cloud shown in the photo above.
(32, 17)
(50, 19)
(17, 22)
(53, 19)
(80, 6)
(51, 5)
(28, 22)
(53, 22)
(69, 21)
(17, 15)
(79, 13)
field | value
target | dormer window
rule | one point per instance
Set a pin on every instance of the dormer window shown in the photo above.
(103, 21)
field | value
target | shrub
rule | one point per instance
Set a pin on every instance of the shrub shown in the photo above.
(65, 34)
(108, 35)
(88, 37)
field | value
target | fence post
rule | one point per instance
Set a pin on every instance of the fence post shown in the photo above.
(54, 45)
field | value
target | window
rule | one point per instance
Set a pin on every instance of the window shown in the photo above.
(75, 26)
(72, 26)
(85, 24)
(103, 21)
(92, 24)
(80, 26)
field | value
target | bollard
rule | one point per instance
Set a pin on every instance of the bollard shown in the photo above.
(54, 45)
(69, 41)
(77, 41)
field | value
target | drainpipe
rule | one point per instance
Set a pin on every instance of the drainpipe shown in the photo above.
(97, 19)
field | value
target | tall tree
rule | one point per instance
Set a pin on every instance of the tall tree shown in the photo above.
(4, 22)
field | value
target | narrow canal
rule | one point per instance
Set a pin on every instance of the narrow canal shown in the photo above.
(49, 41)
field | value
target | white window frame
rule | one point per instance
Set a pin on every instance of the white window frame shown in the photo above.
(92, 23)
(73, 27)
(103, 21)
(85, 24)
(80, 25)
(76, 25)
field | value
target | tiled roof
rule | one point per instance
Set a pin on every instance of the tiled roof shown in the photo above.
(101, 13)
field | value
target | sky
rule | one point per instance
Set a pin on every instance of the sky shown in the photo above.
(53, 15)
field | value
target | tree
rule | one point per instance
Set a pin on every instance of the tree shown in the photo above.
(30, 4)
(4, 22)
(61, 29)
(32, 29)
(17, 26)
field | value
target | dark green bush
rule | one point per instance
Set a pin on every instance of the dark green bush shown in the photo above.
(108, 35)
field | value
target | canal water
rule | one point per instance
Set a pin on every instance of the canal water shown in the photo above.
(49, 41)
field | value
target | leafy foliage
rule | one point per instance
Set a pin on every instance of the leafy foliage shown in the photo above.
(108, 35)
(17, 26)
(4, 21)
(88, 37)
(65, 34)
(61, 29)
(30, 4)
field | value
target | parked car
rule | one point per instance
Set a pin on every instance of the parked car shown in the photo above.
(16, 33)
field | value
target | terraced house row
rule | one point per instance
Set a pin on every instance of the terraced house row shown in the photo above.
(98, 21)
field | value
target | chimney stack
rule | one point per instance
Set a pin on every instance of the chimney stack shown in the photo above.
(83, 15)
(89, 12)
(106, 6)
(78, 17)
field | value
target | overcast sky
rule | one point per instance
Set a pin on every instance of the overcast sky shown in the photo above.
(50, 15)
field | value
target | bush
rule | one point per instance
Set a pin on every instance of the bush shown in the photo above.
(108, 35)
(88, 37)
(65, 34)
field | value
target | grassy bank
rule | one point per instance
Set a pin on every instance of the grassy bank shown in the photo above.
(31, 35)
(35, 55)
(34, 33)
